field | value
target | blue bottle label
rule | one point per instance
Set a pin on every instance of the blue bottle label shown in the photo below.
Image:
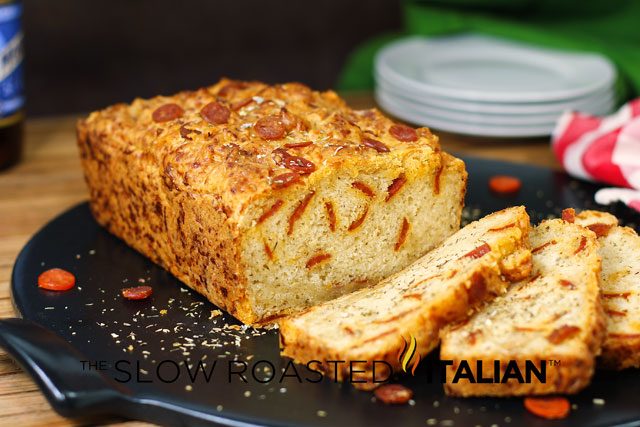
(11, 83)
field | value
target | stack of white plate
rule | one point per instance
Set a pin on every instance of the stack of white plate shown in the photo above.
(479, 85)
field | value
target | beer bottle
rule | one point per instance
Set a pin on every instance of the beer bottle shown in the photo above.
(11, 84)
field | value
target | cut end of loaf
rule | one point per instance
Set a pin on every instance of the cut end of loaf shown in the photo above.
(348, 229)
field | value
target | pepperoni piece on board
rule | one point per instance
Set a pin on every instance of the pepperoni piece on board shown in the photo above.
(403, 133)
(551, 408)
(215, 113)
(504, 184)
(393, 394)
(137, 293)
(167, 112)
(56, 279)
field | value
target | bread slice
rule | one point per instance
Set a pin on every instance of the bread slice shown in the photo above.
(555, 315)
(269, 199)
(470, 267)
(619, 286)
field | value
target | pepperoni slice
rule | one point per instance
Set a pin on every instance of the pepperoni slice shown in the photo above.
(403, 133)
(478, 252)
(295, 163)
(185, 132)
(600, 229)
(270, 128)
(393, 394)
(56, 279)
(395, 186)
(504, 184)
(375, 144)
(167, 112)
(569, 215)
(317, 259)
(285, 180)
(582, 245)
(562, 333)
(137, 293)
(551, 408)
(298, 144)
(290, 121)
(215, 113)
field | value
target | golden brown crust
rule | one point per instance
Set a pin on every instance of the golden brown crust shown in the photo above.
(234, 159)
(621, 352)
(187, 236)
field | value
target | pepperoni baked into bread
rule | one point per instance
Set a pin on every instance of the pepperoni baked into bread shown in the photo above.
(269, 199)
(446, 285)
(554, 315)
(620, 288)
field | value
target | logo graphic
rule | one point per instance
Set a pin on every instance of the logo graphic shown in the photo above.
(406, 354)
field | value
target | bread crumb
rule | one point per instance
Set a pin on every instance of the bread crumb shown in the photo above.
(247, 393)
(215, 313)
(321, 413)
(188, 387)
(163, 311)
(598, 401)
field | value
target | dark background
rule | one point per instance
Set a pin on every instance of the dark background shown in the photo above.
(86, 54)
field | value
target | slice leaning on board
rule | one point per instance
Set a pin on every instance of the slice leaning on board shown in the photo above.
(553, 315)
(620, 287)
(585, 280)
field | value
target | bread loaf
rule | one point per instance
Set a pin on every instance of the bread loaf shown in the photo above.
(469, 268)
(620, 288)
(268, 199)
(555, 315)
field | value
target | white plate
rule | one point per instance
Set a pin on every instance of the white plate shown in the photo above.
(464, 127)
(590, 104)
(481, 68)
(398, 103)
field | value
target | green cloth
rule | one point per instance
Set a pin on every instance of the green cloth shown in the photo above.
(611, 28)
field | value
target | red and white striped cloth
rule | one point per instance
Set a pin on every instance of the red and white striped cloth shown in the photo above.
(604, 149)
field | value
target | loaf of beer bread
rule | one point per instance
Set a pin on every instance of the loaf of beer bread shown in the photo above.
(269, 199)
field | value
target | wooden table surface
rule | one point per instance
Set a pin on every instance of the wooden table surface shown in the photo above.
(49, 181)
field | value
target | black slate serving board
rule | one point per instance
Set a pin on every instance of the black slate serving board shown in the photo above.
(176, 327)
